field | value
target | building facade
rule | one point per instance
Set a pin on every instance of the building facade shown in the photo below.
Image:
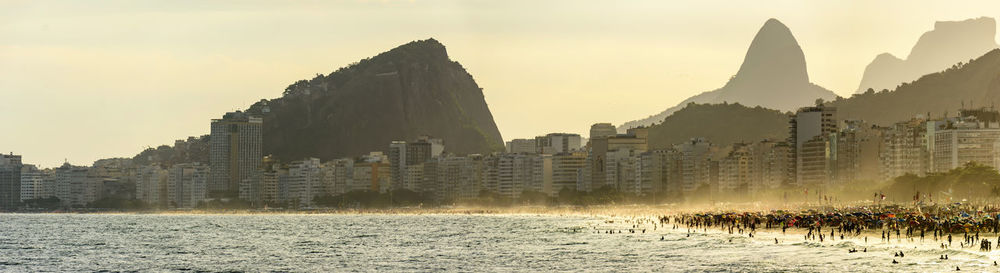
(235, 154)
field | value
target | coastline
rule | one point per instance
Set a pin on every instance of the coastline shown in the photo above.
(610, 210)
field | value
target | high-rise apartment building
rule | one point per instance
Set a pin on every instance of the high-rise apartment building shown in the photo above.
(235, 154)
(10, 181)
(32, 182)
(151, 185)
(565, 171)
(186, 185)
(807, 128)
(403, 156)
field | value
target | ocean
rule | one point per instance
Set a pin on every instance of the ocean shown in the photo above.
(436, 243)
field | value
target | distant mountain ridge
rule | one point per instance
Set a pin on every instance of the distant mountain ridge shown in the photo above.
(971, 85)
(773, 75)
(948, 43)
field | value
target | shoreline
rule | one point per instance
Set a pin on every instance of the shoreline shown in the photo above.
(604, 210)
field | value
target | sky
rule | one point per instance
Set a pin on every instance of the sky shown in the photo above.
(84, 80)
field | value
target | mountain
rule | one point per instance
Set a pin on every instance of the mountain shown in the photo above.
(773, 75)
(971, 85)
(721, 124)
(409, 91)
(949, 43)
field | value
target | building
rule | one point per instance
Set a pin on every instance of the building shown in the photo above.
(751, 168)
(809, 126)
(661, 172)
(32, 183)
(736, 170)
(302, 182)
(566, 168)
(403, 157)
(602, 130)
(235, 154)
(509, 175)
(770, 170)
(632, 143)
(413, 178)
(812, 169)
(186, 185)
(74, 186)
(854, 154)
(437, 145)
(271, 189)
(10, 181)
(905, 149)
(557, 143)
(337, 175)
(623, 170)
(372, 172)
(966, 139)
(696, 168)
(150, 185)
(458, 177)
(521, 146)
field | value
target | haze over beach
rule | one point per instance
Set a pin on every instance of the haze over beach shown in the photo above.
(147, 73)
(499, 136)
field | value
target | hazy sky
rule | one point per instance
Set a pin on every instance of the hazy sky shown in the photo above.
(83, 80)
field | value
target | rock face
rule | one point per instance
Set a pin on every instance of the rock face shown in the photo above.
(407, 92)
(938, 49)
(773, 75)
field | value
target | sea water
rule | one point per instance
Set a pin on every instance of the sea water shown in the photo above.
(431, 243)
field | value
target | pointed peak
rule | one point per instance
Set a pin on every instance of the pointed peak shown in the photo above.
(774, 23)
(773, 27)
(774, 58)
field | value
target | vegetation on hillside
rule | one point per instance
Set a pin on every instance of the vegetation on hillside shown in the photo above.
(972, 84)
(971, 181)
(721, 124)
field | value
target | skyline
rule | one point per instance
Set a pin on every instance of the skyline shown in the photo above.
(145, 75)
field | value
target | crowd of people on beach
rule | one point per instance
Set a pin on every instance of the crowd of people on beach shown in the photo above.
(894, 223)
